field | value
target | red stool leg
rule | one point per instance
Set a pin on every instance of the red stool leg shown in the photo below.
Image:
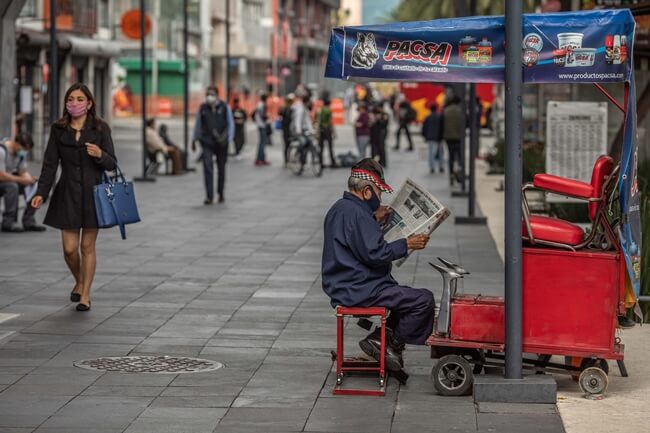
(382, 356)
(339, 349)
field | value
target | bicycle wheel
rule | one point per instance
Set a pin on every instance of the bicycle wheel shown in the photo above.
(294, 163)
(314, 160)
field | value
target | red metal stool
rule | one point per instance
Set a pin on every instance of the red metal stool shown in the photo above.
(344, 365)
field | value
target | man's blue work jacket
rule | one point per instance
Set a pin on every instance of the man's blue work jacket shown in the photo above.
(356, 259)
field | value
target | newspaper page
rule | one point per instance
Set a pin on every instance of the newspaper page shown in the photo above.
(415, 210)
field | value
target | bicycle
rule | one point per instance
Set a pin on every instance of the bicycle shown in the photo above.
(303, 152)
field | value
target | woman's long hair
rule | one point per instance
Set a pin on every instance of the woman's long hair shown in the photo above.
(65, 119)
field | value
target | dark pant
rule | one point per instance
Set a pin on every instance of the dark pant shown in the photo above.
(264, 141)
(405, 127)
(379, 150)
(453, 146)
(209, 153)
(411, 312)
(326, 135)
(240, 139)
(10, 192)
(286, 138)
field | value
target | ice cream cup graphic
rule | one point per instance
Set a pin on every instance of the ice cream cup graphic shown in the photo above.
(570, 41)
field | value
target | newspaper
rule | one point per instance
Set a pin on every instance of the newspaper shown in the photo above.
(415, 210)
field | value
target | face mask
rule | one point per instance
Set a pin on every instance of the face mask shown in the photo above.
(211, 99)
(76, 109)
(374, 202)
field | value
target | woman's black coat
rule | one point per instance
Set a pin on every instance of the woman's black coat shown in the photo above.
(72, 205)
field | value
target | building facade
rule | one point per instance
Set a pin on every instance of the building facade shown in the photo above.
(86, 53)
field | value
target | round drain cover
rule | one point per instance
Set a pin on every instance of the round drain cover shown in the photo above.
(150, 364)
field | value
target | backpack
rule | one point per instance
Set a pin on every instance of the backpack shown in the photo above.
(411, 114)
(325, 118)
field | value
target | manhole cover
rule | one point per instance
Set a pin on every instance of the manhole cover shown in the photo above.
(150, 364)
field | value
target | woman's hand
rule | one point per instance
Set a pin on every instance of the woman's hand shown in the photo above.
(37, 201)
(94, 150)
(417, 242)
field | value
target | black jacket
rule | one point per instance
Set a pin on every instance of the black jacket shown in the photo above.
(432, 127)
(72, 205)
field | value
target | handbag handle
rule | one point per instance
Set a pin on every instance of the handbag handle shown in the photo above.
(119, 174)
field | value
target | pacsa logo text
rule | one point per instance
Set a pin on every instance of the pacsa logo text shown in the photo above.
(426, 52)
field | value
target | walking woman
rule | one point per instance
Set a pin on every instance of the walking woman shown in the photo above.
(81, 142)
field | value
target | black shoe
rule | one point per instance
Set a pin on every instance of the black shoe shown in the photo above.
(83, 307)
(370, 347)
(13, 228)
(75, 297)
(34, 228)
(395, 148)
(221, 199)
(207, 201)
(410, 149)
(625, 323)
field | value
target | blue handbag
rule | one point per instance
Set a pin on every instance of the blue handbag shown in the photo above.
(115, 202)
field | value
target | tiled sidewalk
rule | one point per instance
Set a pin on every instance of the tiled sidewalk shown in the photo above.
(237, 283)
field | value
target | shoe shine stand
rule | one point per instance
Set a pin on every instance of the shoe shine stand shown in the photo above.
(346, 365)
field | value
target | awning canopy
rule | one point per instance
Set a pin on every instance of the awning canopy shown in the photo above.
(560, 47)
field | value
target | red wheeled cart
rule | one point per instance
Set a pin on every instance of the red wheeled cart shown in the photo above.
(573, 290)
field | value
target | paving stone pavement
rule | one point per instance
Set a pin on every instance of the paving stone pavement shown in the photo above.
(236, 283)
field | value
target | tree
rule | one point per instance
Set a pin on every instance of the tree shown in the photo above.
(421, 10)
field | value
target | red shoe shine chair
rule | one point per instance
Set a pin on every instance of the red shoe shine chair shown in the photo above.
(555, 232)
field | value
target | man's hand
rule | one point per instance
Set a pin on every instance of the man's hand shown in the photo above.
(25, 178)
(417, 241)
(383, 214)
(37, 201)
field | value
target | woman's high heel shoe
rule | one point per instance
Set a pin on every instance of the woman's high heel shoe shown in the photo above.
(75, 297)
(83, 307)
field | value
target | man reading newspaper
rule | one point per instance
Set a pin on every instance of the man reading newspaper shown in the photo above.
(357, 263)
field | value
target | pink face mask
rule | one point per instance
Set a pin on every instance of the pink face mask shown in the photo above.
(76, 109)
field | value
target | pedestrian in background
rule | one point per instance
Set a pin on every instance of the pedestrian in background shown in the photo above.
(326, 132)
(453, 131)
(261, 118)
(214, 129)
(156, 145)
(362, 130)
(405, 115)
(432, 133)
(378, 133)
(239, 115)
(16, 180)
(287, 119)
(81, 143)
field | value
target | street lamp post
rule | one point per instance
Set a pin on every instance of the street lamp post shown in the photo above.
(228, 51)
(143, 90)
(186, 84)
(53, 87)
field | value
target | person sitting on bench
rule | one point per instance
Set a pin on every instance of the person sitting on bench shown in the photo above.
(156, 145)
(357, 263)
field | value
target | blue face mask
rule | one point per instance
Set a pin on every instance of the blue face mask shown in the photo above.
(374, 202)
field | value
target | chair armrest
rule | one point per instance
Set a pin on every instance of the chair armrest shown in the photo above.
(563, 186)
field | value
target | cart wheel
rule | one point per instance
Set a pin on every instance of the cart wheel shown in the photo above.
(595, 362)
(382, 381)
(593, 380)
(452, 376)
(339, 379)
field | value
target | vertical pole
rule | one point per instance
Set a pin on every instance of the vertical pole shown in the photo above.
(473, 137)
(473, 148)
(143, 90)
(513, 178)
(154, 58)
(228, 51)
(186, 84)
(53, 86)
